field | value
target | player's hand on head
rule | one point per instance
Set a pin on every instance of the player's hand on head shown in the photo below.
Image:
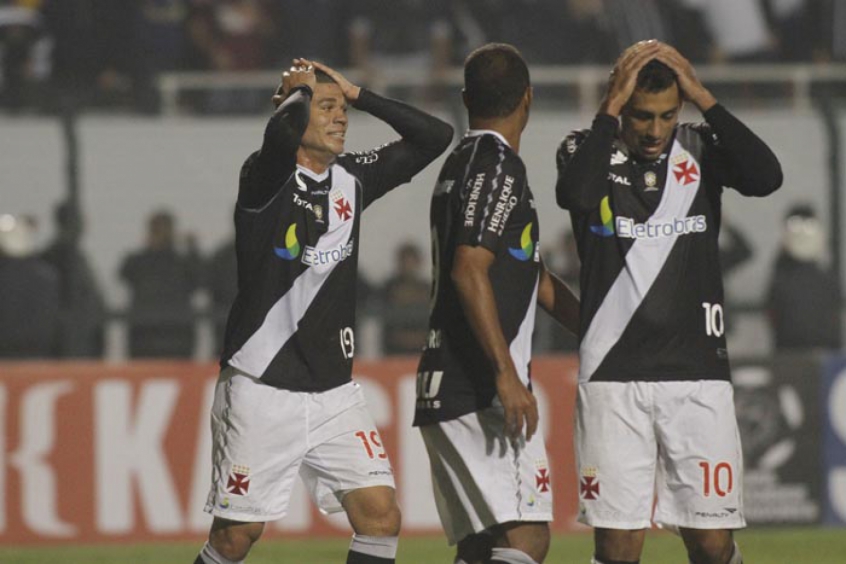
(623, 79)
(519, 404)
(691, 88)
(350, 90)
(301, 72)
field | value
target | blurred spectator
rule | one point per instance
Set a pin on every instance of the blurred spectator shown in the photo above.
(563, 261)
(630, 21)
(163, 33)
(83, 311)
(231, 36)
(19, 30)
(738, 29)
(98, 54)
(793, 24)
(29, 301)
(326, 42)
(222, 277)
(406, 304)
(416, 34)
(163, 281)
(804, 297)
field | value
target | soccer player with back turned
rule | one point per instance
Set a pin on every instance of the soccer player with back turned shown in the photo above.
(475, 407)
(285, 404)
(655, 413)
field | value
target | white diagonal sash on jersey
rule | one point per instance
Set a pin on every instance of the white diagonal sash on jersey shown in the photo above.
(521, 345)
(283, 318)
(643, 263)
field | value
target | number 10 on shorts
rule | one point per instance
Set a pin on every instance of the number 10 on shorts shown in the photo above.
(719, 478)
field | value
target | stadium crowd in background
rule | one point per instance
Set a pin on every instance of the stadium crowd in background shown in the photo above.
(108, 53)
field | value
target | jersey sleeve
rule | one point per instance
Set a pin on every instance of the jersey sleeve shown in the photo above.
(267, 169)
(583, 161)
(423, 139)
(489, 194)
(739, 159)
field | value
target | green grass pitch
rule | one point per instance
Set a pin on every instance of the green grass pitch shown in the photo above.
(759, 546)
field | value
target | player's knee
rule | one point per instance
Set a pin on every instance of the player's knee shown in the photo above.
(709, 547)
(233, 542)
(374, 513)
(532, 539)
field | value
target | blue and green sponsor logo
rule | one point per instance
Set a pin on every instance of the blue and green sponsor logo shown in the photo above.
(607, 218)
(527, 246)
(291, 250)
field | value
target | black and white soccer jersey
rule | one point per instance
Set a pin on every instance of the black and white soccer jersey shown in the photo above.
(651, 284)
(292, 322)
(482, 198)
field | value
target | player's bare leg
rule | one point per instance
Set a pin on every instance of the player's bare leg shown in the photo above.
(375, 518)
(229, 541)
(711, 546)
(520, 543)
(618, 545)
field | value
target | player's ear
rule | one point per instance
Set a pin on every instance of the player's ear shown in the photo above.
(464, 97)
(528, 96)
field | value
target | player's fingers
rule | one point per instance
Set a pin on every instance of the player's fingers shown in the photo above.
(532, 419)
(513, 422)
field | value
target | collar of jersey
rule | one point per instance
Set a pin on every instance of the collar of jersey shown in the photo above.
(477, 132)
(313, 175)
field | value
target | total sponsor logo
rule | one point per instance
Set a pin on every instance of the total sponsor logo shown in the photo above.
(626, 227)
(527, 247)
(617, 179)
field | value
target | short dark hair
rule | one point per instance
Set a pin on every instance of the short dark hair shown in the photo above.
(495, 79)
(321, 77)
(655, 76)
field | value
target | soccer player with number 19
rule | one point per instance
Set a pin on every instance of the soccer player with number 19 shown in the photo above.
(285, 404)
(655, 413)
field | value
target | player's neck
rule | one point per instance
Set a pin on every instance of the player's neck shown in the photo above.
(316, 161)
(508, 127)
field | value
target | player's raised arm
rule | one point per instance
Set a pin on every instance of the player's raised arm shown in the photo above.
(424, 138)
(582, 159)
(276, 160)
(746, 161)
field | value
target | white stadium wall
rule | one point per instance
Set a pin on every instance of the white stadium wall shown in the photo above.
(131, 167)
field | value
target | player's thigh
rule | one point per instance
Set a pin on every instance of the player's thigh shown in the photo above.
(346, 451)
(482, 479)
(701, 463)
(258, 442)
(615, 454)
(234, 537)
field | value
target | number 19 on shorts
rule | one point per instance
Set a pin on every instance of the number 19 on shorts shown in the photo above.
(714, 324)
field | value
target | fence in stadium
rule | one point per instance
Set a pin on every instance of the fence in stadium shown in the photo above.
(99, 452)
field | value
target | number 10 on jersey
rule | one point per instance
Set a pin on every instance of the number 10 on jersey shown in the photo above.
(714, 324)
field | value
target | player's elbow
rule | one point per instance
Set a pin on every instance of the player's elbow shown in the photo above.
(443, 136)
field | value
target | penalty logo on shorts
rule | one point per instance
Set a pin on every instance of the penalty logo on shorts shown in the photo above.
(239, 480)
(589, 484)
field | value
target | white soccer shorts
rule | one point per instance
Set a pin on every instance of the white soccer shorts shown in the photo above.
(673, 446)
(482, 479)
(263, 437)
